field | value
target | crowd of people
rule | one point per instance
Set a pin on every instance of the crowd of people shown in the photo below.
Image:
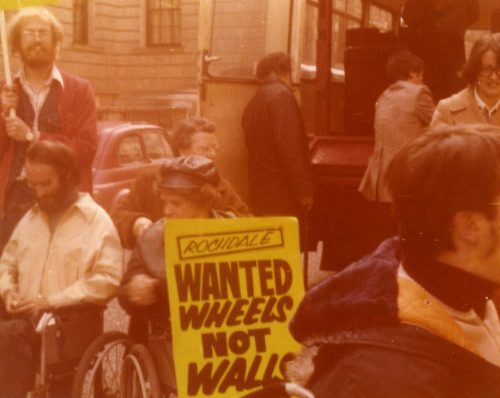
(415, 318)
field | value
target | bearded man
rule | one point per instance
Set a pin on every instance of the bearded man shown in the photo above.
(48, 104)
(65, 251)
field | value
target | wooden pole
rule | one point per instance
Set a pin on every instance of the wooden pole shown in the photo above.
(6, 55)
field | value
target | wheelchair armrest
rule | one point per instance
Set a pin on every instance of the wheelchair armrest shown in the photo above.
(78, 309)
(49, 317)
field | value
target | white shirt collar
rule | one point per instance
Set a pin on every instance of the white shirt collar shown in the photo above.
(482, 105)
(55, 74)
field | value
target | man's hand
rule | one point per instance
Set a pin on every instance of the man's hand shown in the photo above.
(16, 128)
(142, 290)
(33, 307)
(140, 225)
(16, 304)
(12, 300)
(9, 98)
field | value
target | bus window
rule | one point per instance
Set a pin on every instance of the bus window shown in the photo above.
(380, 19)
(239, 37)
(346, 14)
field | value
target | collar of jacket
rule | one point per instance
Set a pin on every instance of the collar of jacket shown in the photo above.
(369, 295)
(456, 288)
(464, 100)
(273, 79)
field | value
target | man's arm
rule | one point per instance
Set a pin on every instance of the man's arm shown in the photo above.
(100, 284)
(8, 267)
(291, 144)
(133, 206)
(424, 105)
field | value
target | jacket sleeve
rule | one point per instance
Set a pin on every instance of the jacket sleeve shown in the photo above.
(8, 265)
(291, 143)
(424, 105)
(132, 206)
(135, 266)
(441, 115)
(102, 282)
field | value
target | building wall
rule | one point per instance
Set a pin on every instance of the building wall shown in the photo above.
(116, 60)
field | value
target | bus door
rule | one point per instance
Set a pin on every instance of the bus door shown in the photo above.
(233, 36)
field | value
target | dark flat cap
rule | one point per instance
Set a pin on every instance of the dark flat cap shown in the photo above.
(188, 172)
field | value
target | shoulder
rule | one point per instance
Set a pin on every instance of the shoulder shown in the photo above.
(73, 82)
(458, 101)
(93, 213)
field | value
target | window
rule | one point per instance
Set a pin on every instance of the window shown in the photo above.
(346, 14)
(130, 151)
(163, 22)
(380, 19)
(239, 37)
(80, 21)
(156, 145)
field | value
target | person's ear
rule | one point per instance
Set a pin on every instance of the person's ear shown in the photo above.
(466, 227)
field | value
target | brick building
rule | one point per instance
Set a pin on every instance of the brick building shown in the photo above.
(135, 53)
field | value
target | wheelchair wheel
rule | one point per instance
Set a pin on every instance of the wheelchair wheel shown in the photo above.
(98, 373)
(139, 378)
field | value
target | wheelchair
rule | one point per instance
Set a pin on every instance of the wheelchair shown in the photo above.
(63, 336)
(114, 365)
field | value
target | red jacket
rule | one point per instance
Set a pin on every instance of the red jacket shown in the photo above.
(79, 129)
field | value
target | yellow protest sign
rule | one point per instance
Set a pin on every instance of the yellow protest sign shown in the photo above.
(14, 4)
(233, 285)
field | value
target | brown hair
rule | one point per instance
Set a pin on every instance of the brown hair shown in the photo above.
(184, 130)
(61, 156)
(277, 62)
(474, 63)
(17, 22)
(207, 195)
(402, 63)
(445, 171)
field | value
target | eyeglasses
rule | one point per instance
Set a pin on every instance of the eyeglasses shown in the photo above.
(488, 71)
(32, 33)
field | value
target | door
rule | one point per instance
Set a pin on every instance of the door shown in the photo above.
(233, 36)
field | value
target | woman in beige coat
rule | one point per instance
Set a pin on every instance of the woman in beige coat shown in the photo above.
(479, 102)
(402, 113)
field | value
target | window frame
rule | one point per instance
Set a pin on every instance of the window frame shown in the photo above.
(81, 8)
(175, 30)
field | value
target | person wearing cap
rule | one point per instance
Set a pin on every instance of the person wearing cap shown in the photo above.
(188, 189)
(142, 206)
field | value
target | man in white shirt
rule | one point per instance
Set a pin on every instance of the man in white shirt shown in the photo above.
(65, 251)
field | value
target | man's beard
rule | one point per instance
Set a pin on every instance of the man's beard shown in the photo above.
(59, 201)
(38, 55)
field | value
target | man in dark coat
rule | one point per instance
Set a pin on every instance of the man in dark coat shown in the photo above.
(415, 318)
(280, 180)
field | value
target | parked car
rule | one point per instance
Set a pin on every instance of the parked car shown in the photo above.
(124, 150)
